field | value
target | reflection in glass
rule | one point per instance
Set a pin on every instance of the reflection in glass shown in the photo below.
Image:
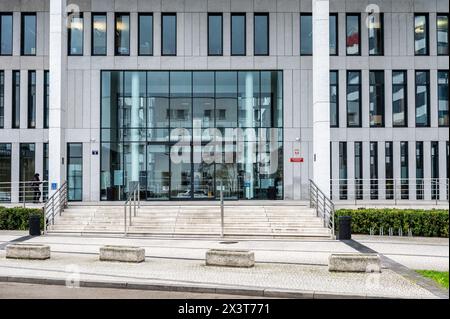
(27, 171)
(215, 34)
(5, 172)
(353, 37)
(28, 34)
(443, 98)
(442, 34)
(376, 98)
(238, 37)
(6, 33)
(334, 99)
(169, 34)
(99, 34)
(75, 171)
(333, 34)
(145, 34)
(399, 99)
(422, 98)
(261, 33)
(376, 33)
(421, 34)
(306, 34)
(354, 98)
(122, 37)
(75, 34)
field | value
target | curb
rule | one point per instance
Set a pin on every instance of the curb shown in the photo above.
(200, 288)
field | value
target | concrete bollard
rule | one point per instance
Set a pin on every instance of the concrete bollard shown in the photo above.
(354, 263)
(230, 258)
(28, 251)
(129, 254)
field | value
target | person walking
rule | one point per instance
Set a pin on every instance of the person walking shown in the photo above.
(36, 189)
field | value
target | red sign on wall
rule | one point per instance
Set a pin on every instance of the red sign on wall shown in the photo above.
(296, 159)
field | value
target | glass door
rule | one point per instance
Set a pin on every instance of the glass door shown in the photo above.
(158, 172)
(181, 173)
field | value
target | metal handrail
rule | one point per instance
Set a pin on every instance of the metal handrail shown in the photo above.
(55, 205)
(23, 192)
(323, 205)
(133, 203)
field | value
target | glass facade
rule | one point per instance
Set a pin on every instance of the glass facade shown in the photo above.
(373, 153)
(419, 171)
(404, 170)
(181, 133)
(5, 172)
(421, 34)
(46, 99)
(27, 170)
(45, 170)
(389, 169)
(443, 98)
(354, 98)
(353, 36)
(145, 34)
(122, 34)
(28, 34)
(261, 34)
(434, 169)
(169, 34)
(98, 35)
(2, 99)
(31, 99)
(376, 33)
(343, 170)
(399, 99)
(238, 34)
(376, 98)
(359, 170)
(333, 34)
(422, 98)
(306, 43)
(334, 98)
(6, 33)
(75, 171)
(215, 34)
(442, 34)
(16, 99)
(75, 34)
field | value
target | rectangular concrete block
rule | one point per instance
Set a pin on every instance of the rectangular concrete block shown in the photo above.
(28, 251)
(122, 253)
(354, 263)
(230, 258)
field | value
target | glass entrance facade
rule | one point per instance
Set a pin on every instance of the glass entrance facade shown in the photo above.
(186, 135)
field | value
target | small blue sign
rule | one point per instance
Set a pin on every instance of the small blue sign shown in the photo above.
(54, 186)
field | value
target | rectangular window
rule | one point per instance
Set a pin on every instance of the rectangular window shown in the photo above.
(342, 170)
(334, 98)
(75, 171)
(31, 99)
(215, 34)
(261, 34)
(45, 171)
(373, 170)
(145, 34)
(122, 36)
(353, 36)
(5, 172)
(421, 34)
(399, 99)
(422, 98)
(442, 34)
(16, 99)
(334, 34)
(419, 171)
(28, 34)
(238, 34)
(376, 34)
(434, 170)
(306, 43)
(6, 33)
(443, 98)
(404, 170)
(376, 98)
(2, 99)
(99, 38)
(27, 171)
(75, 34)
(46, 98)
(358, 171)
(354, 98)
(389, 170)
(169, 34)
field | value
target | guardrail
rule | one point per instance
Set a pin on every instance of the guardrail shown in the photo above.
(24, 192)
(55, 205)
(401, 189)
(132, 203)
(323, 205)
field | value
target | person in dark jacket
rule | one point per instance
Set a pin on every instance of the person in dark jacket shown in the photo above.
(36, 189)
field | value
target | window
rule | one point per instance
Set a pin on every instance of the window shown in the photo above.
(75, 171)
(238, 34)
(169, 34)
(422, 98)
(334, 34)
(46, 99)
(45, 171)
(399, 99)
(306, 42)
(215, 34)
(421, 34)
(99, 38)
(5, 172)
(334, 98)
(342, 170)
(75, 34)
(261, 34)
(353, 36)
(443, 98)
(373, 170)
(442, 34)
(419, 171)
(404, 170)
(389, 170)
(376, 98)
(16, 99)
(2, 99)
(27, 171)
(6, 33)
(354, 98)
(358, 171)
(434, 170)
(31, 99)
(122, 38)
(145, 34)
(376, 33)
(28, 34)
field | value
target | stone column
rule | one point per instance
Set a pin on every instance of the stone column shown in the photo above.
(321, 95)
(58, 71)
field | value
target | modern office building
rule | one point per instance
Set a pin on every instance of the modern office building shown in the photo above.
(259, 96)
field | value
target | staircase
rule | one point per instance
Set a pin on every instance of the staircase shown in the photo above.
(265, 221)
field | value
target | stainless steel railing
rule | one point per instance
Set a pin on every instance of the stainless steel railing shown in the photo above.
(323, 205)
(132, 204)
(25, 192)
(55, 205)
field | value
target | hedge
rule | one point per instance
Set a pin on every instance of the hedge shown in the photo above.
(17, 218)
(425, 223)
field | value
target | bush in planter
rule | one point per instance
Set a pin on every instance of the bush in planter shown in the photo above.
(17, 218)
(426, 223)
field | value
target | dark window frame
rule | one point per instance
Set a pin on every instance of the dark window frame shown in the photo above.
(15, 122)
(165, 14)
(231, 33)
(261, 14)
(69, 34)
(2, 99)
(441, 15)
(381, 14)
(307, 14)
(336, 15)
(438, 85)
(116, 52)
(9, 14)
(355, 14)
(383, 106)
(145, 14)
(46, 98)
(405, 86)
(22, 38)
(360, 98)
(94, 14)
(31, 122)
(428, 97)
(215, 14)
(427, 35)
(68, 165)
(337, 98)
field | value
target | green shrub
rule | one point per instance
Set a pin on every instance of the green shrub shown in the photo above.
(17, 218)
(426, 223)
